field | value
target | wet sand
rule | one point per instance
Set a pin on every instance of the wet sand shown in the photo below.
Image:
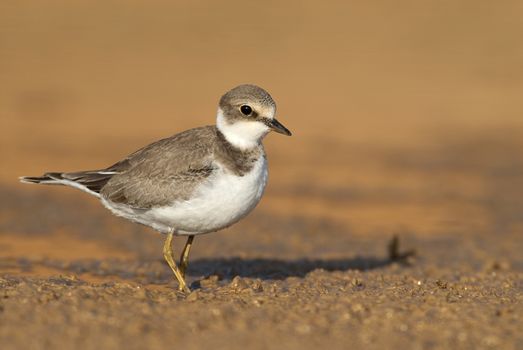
(406, 121)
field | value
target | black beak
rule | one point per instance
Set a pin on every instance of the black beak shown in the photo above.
(278, 127)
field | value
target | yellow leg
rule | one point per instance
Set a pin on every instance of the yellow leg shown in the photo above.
(184, 258)
(168, 255)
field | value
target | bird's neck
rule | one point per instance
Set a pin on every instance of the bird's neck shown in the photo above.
(236, 160)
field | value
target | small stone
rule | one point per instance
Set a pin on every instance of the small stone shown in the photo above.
(257, 286)
(441, 284)
(356, 282)
(210, 281)
(239, 283)
(193, 296)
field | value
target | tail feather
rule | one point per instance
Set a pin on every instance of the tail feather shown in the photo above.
(47, 178)
(91, 182)
(31, 179)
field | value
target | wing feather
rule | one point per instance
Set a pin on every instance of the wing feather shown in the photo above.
(163, 172)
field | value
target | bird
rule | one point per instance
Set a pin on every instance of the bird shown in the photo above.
(195, 182)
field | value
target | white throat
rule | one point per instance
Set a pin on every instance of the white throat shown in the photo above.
(241, 134)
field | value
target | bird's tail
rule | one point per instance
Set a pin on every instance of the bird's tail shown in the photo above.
(87, 181)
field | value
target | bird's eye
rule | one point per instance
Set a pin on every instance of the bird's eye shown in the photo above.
(246, 110)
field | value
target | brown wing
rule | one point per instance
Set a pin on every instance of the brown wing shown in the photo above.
(164, 171)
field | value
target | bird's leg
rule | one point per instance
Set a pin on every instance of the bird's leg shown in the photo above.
(168, 255)
(184, 258)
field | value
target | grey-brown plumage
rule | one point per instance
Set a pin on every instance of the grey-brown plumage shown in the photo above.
(170, 169)
(197, 181)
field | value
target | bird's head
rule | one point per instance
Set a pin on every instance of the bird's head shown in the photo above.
(246, 114)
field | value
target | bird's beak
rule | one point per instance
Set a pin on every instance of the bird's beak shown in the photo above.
(278, 127)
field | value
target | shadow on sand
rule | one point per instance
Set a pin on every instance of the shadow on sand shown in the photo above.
(276, 269)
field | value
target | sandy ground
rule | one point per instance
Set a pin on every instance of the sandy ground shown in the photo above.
(407, 123)
(75, 277)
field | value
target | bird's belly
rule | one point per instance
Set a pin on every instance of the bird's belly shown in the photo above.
(221, 201)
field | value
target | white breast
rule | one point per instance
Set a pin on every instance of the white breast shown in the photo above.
(220, 201)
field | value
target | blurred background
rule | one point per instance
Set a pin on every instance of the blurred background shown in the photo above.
(407, 115)
(407, 119)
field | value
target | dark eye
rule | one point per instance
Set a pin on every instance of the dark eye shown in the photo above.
(247, 110)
